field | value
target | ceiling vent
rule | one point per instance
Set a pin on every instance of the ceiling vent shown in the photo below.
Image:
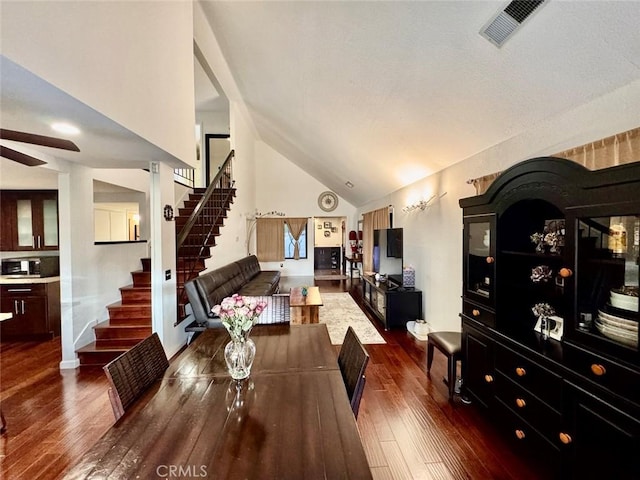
(508, 20)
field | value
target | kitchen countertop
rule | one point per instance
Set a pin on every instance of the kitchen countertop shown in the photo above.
(11, 280)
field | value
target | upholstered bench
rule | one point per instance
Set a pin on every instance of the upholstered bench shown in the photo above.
(450, 344)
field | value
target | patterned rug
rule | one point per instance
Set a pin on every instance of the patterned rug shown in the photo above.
(339, 311)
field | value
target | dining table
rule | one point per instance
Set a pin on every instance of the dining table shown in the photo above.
(290, 419)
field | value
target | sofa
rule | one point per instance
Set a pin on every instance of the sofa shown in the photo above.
(243, 277)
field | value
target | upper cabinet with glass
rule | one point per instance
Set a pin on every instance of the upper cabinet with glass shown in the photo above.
(479, 255)
(31, 220)
(608, 257)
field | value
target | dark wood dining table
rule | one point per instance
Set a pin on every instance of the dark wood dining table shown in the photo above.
(291, 419)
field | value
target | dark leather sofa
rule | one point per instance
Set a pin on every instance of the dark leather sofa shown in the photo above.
(243, 277)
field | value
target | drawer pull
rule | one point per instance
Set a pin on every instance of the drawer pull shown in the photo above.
(521, 372)
(520, 434)
(565, 438)
(490, 259)
(475, 312)
(488, 378)
(598, 370)
(565, 272)
(521, 403)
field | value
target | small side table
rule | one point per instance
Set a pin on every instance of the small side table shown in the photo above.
(305, 309)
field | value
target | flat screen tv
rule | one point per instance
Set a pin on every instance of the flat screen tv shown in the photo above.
(387, 253)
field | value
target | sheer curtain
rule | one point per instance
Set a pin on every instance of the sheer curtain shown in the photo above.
(270, 239)
(371, 221)
(618, 149)
(296, 227)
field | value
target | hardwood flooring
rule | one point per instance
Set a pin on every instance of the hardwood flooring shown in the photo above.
(408, 427)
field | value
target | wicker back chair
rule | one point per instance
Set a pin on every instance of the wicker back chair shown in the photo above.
(133, 372)
(353, 360)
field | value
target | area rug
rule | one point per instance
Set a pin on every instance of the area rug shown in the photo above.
(330, 277)
(339, 311)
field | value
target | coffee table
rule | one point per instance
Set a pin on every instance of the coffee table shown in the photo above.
(305, 309)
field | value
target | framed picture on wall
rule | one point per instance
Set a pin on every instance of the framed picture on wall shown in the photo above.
(327, 233)
(327, 224)
(319, 226)
(334, 229)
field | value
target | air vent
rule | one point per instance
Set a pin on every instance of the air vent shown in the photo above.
(508, 20)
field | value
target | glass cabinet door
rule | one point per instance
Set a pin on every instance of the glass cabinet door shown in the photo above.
(480, 258)
(608, 274)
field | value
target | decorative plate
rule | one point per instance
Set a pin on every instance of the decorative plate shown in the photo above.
(328, 201)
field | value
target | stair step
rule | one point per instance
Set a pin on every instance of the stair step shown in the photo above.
(141, 278)
(119, 311)
(146, 264)
(96, 355)
(189, 251)
(181, 220)
(108, 331)
(132, 294)
(199, 229)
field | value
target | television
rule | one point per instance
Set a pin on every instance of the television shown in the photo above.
(387, 254)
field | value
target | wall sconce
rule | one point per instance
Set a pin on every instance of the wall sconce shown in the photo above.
(423, 204)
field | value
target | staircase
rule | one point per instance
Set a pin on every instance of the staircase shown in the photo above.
(197, 225)
(129, 321)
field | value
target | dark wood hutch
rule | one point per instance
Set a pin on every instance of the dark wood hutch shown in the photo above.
(550, 232)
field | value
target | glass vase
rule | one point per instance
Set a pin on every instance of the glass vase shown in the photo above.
(239, 354)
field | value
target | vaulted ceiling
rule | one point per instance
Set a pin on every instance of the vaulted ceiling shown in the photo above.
(381, 94)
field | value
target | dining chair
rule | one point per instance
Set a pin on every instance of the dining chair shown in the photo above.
(353, 360)
(133, 372)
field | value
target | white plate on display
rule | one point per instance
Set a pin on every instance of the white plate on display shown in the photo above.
(609, 321)
(624, 302)
(619, 336)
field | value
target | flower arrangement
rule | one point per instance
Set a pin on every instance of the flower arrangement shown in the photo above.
(541, 273)
(239, 314)
(543, 310)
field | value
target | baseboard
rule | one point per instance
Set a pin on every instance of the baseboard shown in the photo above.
(69, 364)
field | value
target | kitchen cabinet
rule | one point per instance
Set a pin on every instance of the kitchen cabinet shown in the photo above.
(563, 239)
(30, 220)
(35, 308)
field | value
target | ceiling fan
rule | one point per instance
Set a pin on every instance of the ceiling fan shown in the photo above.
(33, 139)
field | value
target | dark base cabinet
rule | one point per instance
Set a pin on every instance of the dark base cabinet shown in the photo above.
(326, 258)
(35, 308)
(551, 243)
(394, 307)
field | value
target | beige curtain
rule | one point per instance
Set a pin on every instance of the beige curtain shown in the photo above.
(270, 239)
(296, 227)
(618, 149)
(371, 221)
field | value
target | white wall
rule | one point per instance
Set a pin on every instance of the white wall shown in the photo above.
(139, 54)
(283, 186)
(433, 238)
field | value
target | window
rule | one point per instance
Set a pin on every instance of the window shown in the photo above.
(289, 242)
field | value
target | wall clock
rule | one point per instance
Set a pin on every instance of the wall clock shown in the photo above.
(328, 201)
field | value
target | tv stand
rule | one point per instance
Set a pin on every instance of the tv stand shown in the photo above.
(393, 306)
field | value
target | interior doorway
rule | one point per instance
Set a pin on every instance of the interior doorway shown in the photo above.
(329, 242)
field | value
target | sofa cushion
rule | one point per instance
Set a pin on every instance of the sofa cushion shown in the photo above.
(249, 266)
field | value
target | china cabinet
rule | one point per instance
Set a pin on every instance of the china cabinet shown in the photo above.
(550, 314)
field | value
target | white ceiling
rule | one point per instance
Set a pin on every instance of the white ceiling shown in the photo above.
(384, 93)
(380, 93)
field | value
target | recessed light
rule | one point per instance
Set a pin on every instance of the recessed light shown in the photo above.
(66, 128)
(349, 184)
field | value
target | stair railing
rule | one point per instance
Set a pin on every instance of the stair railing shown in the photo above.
(197, 233)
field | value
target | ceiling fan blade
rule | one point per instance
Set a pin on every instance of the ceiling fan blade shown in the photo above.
(34, 139)
(20, 157)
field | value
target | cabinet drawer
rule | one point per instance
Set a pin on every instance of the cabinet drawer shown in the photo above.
(23, 289)
(611, 375)
(528, 407)
(478, 313)
(524, 439)
(539, 381)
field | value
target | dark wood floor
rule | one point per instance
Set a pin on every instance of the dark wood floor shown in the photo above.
(408, 427)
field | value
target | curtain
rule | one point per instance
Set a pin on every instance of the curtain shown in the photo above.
(618, 149)
(296, 227)
(270, 239)
(373, 220)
